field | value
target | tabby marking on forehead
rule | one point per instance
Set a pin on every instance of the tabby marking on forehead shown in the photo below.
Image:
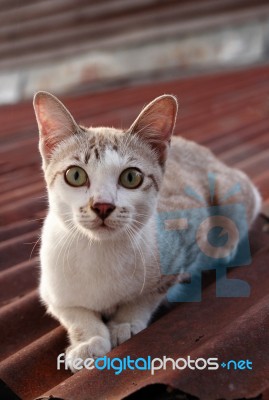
(96, 152)
(87, 157)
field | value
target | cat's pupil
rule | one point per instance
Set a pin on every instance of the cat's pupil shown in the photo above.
(76, 175)
(130, 177)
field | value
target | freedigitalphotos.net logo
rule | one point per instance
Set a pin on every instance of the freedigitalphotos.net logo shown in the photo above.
(214, 237)
(118, 365)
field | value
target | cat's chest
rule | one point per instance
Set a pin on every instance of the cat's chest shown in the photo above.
(95, 277)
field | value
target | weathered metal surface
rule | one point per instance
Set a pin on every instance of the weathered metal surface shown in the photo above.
(228, 113)
(36, 32)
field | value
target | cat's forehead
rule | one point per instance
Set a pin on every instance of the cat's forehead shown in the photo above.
(103, 142)
(104, 146)
(99, 143)
(103, 133)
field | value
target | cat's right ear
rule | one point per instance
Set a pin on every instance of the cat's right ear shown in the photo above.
(55, 123)
(155, 124)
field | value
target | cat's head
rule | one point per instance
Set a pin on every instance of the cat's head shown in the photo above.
(104, 181)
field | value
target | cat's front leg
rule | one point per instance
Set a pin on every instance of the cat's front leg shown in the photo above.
(131, 318)
(89, 336)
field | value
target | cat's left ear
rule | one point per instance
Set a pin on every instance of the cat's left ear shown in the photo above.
(55, 123)
(155, 124)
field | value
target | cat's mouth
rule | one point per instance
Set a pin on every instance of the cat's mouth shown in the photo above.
(103, 226)
(100, 227)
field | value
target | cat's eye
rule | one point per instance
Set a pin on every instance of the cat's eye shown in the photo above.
(76, 176)
(131, 178)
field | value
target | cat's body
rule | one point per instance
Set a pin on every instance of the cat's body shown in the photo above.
(99, 253)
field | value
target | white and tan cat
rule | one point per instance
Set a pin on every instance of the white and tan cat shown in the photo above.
(99, 253)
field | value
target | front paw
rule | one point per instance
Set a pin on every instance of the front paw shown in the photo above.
(95, 347)
(122, 331)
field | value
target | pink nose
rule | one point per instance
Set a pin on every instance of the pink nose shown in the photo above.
(103, 210)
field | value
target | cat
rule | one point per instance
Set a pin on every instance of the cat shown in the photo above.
(99, 248)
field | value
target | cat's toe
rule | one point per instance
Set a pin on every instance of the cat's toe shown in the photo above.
(120, 332)
(138, 326)
(95, 347)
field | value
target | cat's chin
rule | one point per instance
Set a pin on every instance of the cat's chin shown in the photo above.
(102, 232)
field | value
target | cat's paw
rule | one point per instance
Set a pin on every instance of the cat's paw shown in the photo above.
(95, 347)
(120, 332)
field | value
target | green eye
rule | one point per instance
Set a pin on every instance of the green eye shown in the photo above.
(131, 178)
(76, 176)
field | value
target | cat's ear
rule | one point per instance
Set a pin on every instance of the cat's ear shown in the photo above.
(156, 123)
(55, 123)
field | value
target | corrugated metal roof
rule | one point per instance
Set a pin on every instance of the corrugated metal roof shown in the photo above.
(227, 112)
(41, 31)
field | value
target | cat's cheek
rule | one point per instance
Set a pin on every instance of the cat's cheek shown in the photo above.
(138, 201)
(146, 207)
(74, 198)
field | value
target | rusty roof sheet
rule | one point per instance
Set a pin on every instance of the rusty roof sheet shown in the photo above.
(227, 112)
(43, 31)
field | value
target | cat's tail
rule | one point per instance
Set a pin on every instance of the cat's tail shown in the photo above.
(252, 199)
(257, 202)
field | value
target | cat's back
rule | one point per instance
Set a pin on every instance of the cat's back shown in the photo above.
(193, 171)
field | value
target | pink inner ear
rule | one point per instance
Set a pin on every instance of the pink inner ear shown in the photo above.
(46, 126)
(166, 119)
(165, 126)
(49, 122)
(161, 118)
(43, 121)
(55, 123)
(156, 123)
(44, 108)
(49, 129)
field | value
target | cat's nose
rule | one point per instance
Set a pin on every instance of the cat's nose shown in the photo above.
(103, 210)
